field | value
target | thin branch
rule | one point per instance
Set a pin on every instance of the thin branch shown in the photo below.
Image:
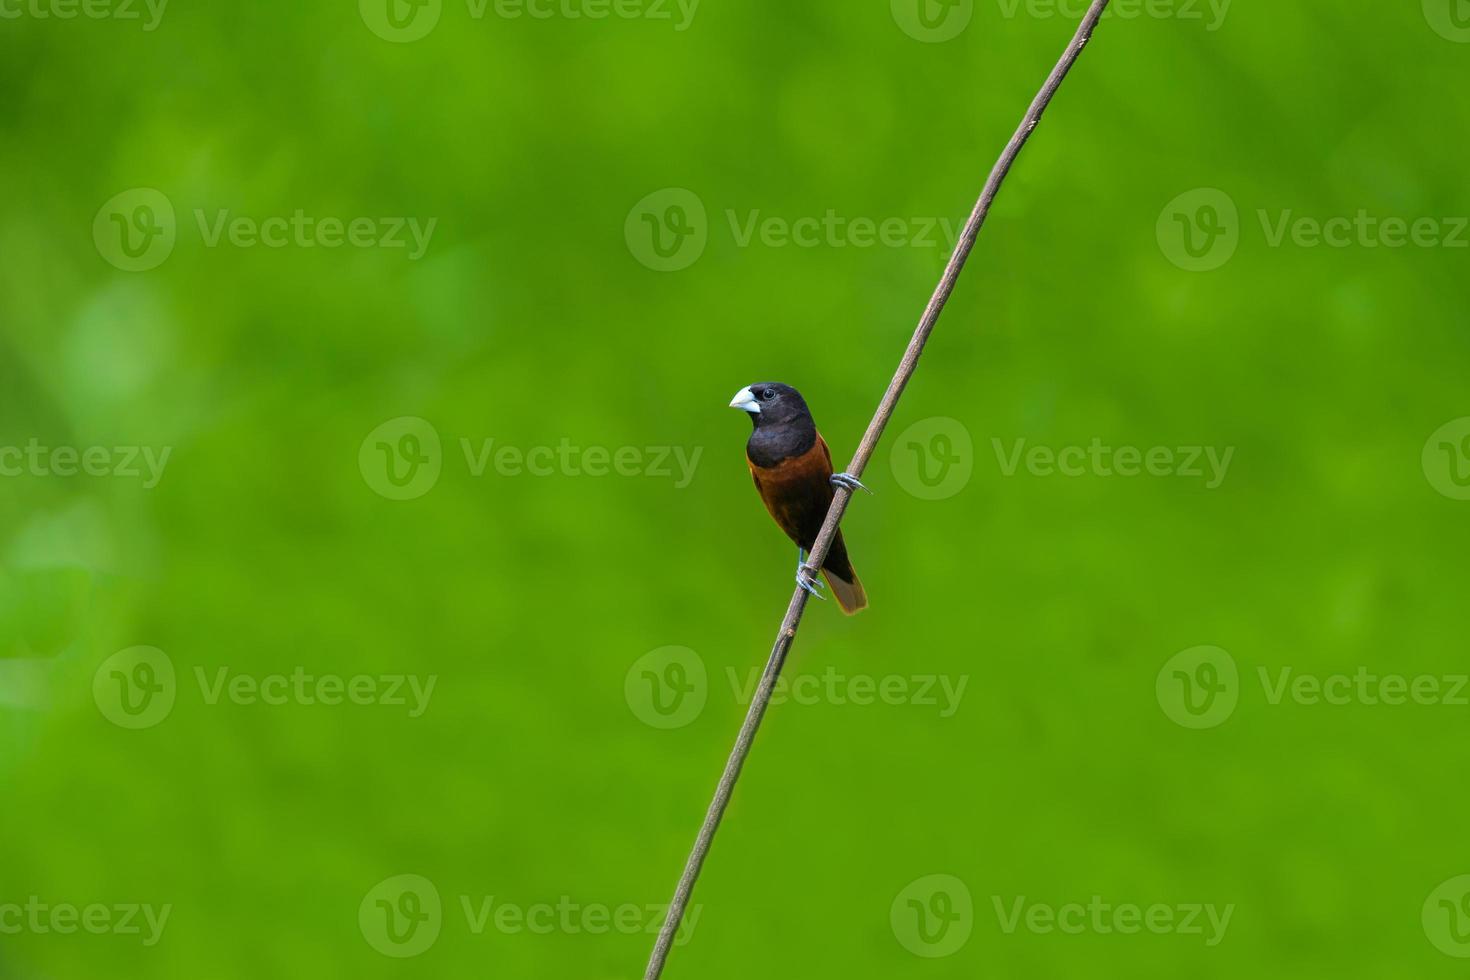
(787, 635)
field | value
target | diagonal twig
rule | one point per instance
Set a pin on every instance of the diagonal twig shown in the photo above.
(787, 635)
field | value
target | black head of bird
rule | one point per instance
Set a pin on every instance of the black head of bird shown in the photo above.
(771, 403)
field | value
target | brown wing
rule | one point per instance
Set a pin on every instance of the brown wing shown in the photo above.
(797, 491)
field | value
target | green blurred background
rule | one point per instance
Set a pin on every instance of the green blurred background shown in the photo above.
(541, 314)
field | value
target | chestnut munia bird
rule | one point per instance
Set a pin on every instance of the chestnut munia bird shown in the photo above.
(792, 469)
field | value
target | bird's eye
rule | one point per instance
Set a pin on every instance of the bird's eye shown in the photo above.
(767, 395)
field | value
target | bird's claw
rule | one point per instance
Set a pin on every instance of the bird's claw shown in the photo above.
(806, 579)
(849, 481)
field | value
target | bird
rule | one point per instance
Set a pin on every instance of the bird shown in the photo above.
(792, 469)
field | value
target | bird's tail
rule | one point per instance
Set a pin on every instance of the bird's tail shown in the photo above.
(850, 594)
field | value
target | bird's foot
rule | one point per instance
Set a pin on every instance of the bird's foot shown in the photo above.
(806, 578)
(849, 481)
